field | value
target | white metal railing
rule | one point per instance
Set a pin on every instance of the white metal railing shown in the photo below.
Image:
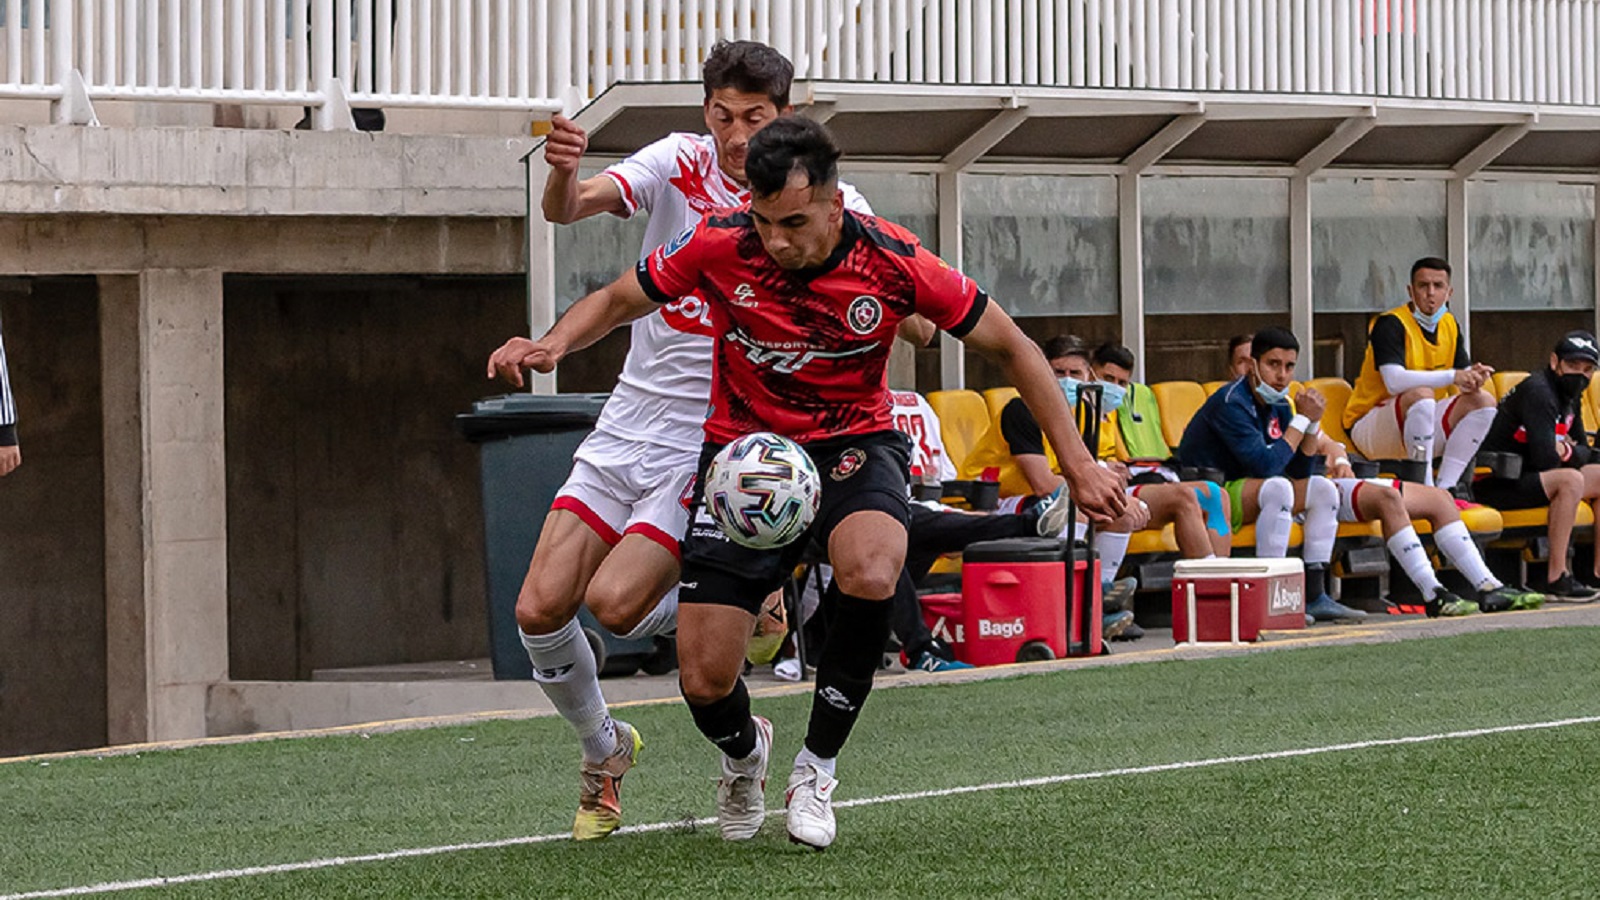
(538, 54)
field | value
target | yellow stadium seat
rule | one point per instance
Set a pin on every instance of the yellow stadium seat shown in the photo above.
(1178, 402)
(1337, 392)
(963, 417)
(1210, 387)
(1505, 381)
(1245, 538)
(1591, 406)
(1152, 541)
(997, 398)
(1485, 523)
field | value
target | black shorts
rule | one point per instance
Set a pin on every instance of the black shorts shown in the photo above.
(859, 472)
(1523, 492)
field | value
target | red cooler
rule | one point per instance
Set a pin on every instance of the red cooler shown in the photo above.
(1015, 605)
(1234, 600)
(942, 612)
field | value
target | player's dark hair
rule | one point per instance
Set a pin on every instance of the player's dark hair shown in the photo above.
(1063, 345)
(1429, 262)
(791, 144)
(1273, 338)
(1238, 341)
(1115, 354)
(748, 67)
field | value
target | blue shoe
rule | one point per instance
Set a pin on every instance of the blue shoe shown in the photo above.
(1053, 513)
(927, 662)
(1327, 609)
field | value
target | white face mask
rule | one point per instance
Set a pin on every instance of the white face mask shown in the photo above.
(1271, 394)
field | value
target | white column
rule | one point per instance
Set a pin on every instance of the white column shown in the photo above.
(952, 358)
(166, 503)
(541, 265)
(1130, 247)
(1458, 237)
(1301, 313)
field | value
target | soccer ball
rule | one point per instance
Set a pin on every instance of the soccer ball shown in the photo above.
(763, 490)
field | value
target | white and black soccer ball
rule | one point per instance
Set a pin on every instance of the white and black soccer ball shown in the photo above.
(763, 490)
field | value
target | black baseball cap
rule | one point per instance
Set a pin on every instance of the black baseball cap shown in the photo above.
(1578, 345)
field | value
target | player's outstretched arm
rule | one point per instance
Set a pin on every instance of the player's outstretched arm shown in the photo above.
(566, 198)
(1097, 492)
(587, 321)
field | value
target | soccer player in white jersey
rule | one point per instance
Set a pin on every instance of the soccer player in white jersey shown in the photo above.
(610, 540)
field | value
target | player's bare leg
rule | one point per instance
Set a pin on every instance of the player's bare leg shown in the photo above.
(565, 561)
(626, 592)
(867, 549)
(1178, 505)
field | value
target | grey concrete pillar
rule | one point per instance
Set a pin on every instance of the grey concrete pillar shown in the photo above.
(166, 512)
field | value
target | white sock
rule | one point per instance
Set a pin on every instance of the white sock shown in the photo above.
(564, 667)
(1322, 519)
(1455, 544)
(662, 619)
(1112, 547)
(805, 757)
(1276, 500)
(1407, 548)
(1418, 435)
(1462, 445)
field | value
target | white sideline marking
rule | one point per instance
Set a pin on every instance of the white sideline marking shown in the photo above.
(279, 868)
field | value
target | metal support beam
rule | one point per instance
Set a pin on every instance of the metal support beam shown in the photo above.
(1164, 141)
(1301, 312)
(1490, 150)
(1459, 240)
(541, 265)
(952, 353)
(1343, 138)
(987, 136)
(1130, 265)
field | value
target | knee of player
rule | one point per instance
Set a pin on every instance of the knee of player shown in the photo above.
(1564, 481)
(1477, 400)
(619, 607)
(700, 689)
(1323, 492)
(1415, 395)
(541, 610)
(872, 579)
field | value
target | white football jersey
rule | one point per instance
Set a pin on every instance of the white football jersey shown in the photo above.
(665, 385)
(914, 417)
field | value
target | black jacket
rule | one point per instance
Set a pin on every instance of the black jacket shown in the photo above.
(1531, 418)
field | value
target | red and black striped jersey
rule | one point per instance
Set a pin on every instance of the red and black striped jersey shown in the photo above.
(804, 353)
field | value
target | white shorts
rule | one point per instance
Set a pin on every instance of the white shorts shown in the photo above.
(620, 487)
(1349, 487)
(1378, 434)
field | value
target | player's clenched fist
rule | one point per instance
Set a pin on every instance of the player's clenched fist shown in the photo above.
(564, 146)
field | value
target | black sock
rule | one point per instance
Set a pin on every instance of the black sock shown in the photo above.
(1316, 580)
(727, 722)
(852, 654)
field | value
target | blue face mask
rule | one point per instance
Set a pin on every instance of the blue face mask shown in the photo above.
(1271, 394)
(1429, 323)
(1069, 386)
(1111, 396)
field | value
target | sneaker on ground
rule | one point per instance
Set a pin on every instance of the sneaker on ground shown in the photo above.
(1507, 597)
(741, 796)
(1118, 595)
(1131, 633)
(809, 801)
(1053, 513)
(1310, 620)
(1450, 606)
(927, 662)
(1114, 624)
(1327, 609)
(599, 797)
(1566, 589)
(787, 669)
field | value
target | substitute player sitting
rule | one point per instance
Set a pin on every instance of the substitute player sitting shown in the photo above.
(805, 297)
(1417, 383)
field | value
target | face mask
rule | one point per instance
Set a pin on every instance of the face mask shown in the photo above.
(1111, 395)
(1271, 394)
(1572, 384)
(1069, 386)
(1429, 323)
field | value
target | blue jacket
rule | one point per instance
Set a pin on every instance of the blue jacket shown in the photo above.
(1242, 437)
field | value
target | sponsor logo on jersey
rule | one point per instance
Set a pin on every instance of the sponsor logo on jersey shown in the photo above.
(744, 295)
(690, 315)
(850, 462)
(782, 358)
(677, 243)
(864, 314)
(1000, 628)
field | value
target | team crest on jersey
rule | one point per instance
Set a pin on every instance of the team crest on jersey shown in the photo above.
(850, 462)
(677, 243)
(864, 314)
(1274, 429)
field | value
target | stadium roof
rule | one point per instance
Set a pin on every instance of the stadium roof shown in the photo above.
(953, 127)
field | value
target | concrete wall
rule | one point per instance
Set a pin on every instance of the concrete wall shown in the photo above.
(52, 598)
(354, 515)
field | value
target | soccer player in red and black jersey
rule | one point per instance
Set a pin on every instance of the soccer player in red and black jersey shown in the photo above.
(805, 297)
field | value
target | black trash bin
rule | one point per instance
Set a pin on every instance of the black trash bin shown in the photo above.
(526, 443)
